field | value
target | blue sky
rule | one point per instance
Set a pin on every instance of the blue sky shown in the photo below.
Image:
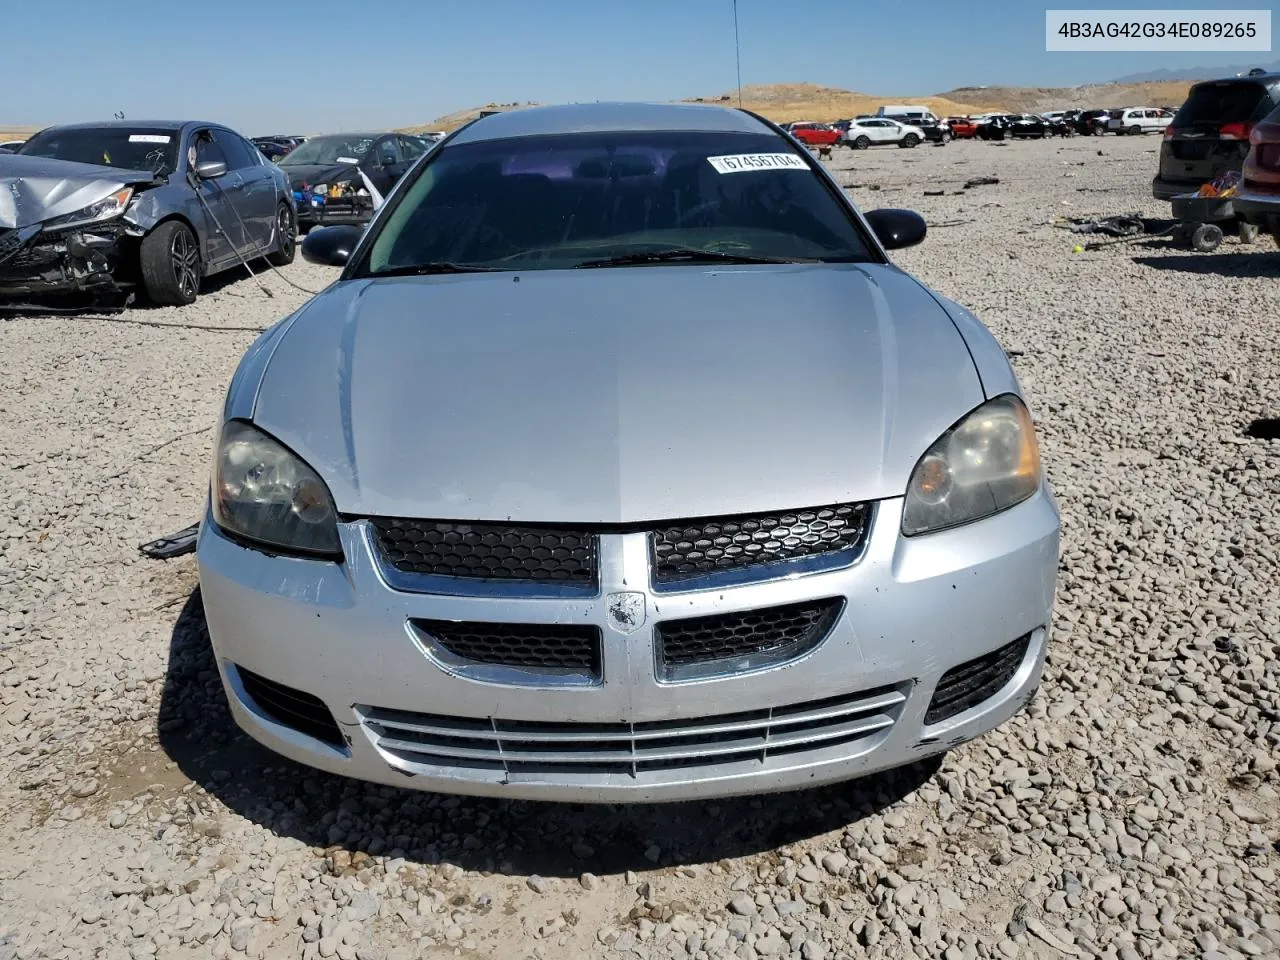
(315, 65)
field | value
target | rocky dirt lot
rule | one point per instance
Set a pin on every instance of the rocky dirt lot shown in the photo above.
(1131, 811)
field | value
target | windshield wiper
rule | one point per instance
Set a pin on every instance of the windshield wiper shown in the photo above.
(438, 266)
(686, 255)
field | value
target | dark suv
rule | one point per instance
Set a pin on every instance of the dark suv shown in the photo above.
(1210, 132)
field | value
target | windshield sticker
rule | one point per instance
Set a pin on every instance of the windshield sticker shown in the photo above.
(742, 162)
(347, 160)
(149, 138)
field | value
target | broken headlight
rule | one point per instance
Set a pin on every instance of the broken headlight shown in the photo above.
(263, 492)
(986, 463)
(105, 209)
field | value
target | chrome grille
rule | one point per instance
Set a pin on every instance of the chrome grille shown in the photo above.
(488, 551)
(695, 548)
(549, 646)
(742, 640)
(425, 741)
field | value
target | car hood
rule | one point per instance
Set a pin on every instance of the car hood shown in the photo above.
(33, 189)
(617, 395)
(318, 173)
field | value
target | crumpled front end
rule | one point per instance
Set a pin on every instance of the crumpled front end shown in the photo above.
(87, 260)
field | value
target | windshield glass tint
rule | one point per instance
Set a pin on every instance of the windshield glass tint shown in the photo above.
(559, 201)
(125, 148)
(326, 151)
(1219, 103)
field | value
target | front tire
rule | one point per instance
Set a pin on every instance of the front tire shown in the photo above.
(862, 143)
(286, 238)
(1135, 131)
(945, 138)
(909, 141)
(169, 258)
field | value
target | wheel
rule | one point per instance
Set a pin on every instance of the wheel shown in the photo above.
(286, 238)
(1206, 237)
(946, 136)
(910, 140)
(1135, 131)
(1247, 232)
(862, 142)
(170, 260)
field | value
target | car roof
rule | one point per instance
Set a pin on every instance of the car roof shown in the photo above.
(596, 117)
(135, 124)
(1269, 79)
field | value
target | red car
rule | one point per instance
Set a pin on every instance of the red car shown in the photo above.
(962, 127)
(815, 134)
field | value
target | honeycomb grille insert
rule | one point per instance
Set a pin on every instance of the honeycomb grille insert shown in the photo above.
(696, 548)
(745, 640)
(976, 680)
(539, 646)
(485, 551)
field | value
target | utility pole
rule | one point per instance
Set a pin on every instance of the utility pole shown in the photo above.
(737, 51)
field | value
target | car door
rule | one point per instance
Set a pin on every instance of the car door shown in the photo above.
(255, 201)
(221, 235)
(884, 131)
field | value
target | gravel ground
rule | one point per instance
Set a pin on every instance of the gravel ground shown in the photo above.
(1131, 811)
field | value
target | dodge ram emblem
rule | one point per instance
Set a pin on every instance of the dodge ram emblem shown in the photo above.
(625, 611)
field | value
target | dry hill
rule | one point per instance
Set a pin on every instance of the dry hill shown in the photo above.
(808, 101)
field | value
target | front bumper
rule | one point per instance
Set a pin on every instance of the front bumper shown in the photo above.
(82, 260)
(914, 609)
(314, 211)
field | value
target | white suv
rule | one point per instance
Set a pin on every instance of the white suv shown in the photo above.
(1138, 120)
(874, 131)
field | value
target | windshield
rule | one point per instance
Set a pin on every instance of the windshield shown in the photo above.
(1226, 102)
(125, 148)
(326, 151)
(552, 202)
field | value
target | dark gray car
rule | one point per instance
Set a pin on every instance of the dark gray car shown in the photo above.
(103, 208)
(1209, 135)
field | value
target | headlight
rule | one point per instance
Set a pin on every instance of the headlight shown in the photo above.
(319, 189)
(105, 209)
(263, 492)
(986, 463)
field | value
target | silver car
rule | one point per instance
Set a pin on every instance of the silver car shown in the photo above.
(103, 209)
(620, 464)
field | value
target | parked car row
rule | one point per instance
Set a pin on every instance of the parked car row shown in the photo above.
(859, 133)
(107, 209)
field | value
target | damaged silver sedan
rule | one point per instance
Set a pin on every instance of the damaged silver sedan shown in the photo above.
(101, 210)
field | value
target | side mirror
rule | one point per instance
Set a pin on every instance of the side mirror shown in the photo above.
(211, 169)
(897, 228)
(331, 246)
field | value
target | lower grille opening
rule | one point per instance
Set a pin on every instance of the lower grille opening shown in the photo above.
(639, 749)
(546, 646)
(292, 708)
(975, 680)
(745, 640)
